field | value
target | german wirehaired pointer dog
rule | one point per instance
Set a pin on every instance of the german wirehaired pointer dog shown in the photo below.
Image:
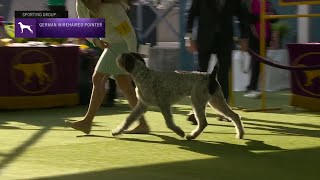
(163, 89)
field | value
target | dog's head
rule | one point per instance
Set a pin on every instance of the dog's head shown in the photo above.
(19, 22)
(130, 61)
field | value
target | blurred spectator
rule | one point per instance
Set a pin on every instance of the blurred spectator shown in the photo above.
(215, 35)
(254, 43)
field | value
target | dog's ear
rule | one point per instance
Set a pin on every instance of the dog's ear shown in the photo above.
(128, 62)
(139, 57)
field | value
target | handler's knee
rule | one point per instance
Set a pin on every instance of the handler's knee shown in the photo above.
(125, 84)
(98, 78)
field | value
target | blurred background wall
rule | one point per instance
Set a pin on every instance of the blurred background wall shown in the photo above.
(163, 35)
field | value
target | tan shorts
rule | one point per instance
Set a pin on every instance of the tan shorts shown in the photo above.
(119, 34)
(107, 62)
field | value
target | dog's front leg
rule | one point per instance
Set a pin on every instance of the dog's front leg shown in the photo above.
(167, 114)
(135, 114)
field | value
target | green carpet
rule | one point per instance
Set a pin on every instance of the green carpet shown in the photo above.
(282, 145)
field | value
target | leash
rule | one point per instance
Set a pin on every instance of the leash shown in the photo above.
(259, 58)
(113, 52)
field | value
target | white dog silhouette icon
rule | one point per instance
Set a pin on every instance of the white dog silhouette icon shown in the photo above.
(22, 27)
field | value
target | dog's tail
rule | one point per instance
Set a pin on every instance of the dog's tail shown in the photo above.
(213, 83)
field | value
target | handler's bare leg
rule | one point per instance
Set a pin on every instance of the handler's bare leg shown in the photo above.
(98, 92)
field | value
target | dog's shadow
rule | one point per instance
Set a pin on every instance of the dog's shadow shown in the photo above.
(212, 148)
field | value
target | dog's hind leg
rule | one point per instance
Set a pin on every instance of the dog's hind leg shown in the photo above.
(167, 114)
(199, 103)
(200, 116)
(218, 103)
(135, 114)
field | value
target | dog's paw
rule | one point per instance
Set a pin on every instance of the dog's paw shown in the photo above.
(240, 136)
(190, 137)
(180, 132)
(116, 132)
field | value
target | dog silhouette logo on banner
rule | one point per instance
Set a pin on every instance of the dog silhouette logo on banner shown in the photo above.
(23, 27)
(33, 71)
(308, 81)
(311, 77)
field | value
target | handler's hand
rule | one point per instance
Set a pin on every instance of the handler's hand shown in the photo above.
(191, 45)
(101, 44)
(243, 45)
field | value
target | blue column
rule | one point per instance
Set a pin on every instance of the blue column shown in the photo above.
(186, 59)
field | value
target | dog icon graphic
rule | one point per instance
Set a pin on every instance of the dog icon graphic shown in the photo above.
(22, 27)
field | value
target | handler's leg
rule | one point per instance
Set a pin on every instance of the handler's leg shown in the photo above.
(97, 95)
(99, 79)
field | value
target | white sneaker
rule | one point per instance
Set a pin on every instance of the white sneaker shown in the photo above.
(253, 94)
